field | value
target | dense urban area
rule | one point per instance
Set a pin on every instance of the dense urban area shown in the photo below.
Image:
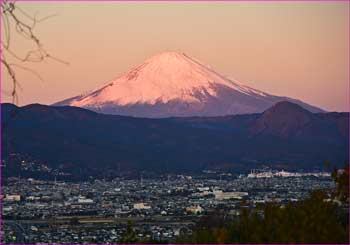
(158, 209)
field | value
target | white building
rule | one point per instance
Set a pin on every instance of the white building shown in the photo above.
(195, 209)
(220, 195)
(201, 189)
(12, 198)
(141, 205)
(85, 201)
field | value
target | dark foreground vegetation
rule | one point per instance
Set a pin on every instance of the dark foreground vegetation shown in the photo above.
(322, 218)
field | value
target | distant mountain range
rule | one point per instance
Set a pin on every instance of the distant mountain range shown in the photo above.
(84, 142)
(172, 84)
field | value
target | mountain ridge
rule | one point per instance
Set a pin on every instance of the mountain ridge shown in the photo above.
(174, 84)
(72, 138)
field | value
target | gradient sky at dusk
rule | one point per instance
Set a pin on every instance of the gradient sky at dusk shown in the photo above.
(299, 49)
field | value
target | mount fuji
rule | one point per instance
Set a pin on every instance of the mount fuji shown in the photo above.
(172, 84)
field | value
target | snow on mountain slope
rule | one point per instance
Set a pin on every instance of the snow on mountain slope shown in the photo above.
(173, 84)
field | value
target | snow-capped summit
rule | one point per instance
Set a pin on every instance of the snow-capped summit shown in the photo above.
(174, 84)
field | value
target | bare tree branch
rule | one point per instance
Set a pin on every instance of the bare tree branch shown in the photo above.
(14, 80)
(27, 69)
(12, 17)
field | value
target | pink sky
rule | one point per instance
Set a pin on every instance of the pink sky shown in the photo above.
(299, 49)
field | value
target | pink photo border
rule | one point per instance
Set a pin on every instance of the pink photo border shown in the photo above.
(102, 1)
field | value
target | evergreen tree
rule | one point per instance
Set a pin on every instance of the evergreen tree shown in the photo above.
(130, 235)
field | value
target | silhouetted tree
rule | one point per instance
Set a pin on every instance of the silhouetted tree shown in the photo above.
(341, 177)
(130, 235)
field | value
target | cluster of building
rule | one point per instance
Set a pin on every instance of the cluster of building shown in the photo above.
(161, 209)
(257, 173)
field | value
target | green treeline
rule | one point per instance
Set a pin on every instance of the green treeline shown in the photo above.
(310, 221)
